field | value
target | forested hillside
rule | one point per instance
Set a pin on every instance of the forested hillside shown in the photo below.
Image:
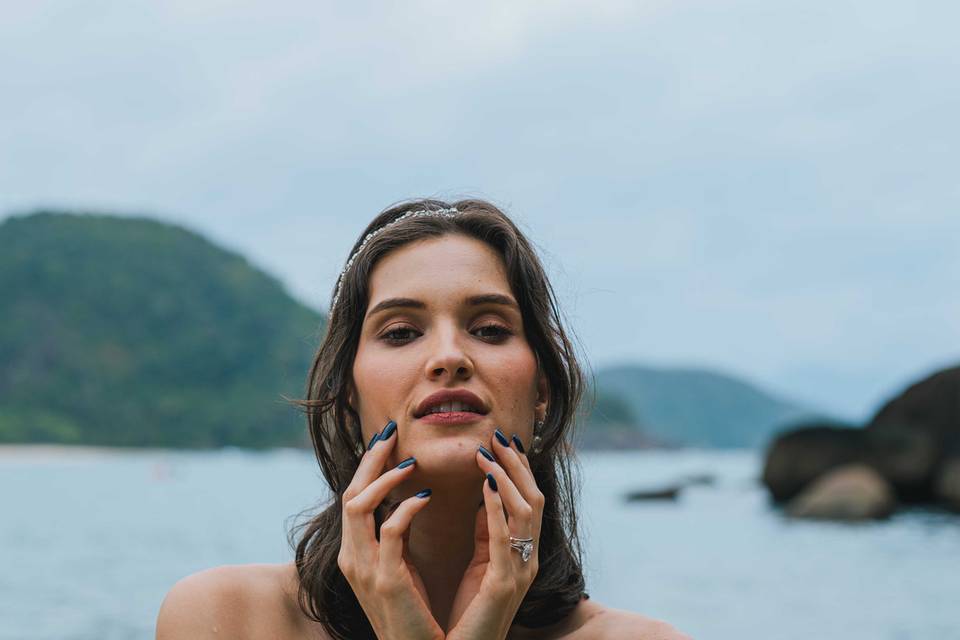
(129, 331)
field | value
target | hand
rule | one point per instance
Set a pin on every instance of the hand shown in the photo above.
(386, 584)
(497, 578)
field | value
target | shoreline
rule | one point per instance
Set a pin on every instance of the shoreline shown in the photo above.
(25, 452)
(40, 452)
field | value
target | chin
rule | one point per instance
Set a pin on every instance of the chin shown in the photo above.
(453, 453)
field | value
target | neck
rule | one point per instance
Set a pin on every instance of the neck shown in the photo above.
(441, 543)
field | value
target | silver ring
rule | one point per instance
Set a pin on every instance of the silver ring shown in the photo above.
(523, 545)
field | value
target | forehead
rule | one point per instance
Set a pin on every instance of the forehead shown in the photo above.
(438, 266)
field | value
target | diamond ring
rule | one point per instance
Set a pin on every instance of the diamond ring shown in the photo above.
(523, 545)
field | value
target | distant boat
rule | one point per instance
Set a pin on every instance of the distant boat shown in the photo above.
(665, 493)
(670, 492)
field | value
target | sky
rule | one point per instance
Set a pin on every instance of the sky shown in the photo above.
(765, 189)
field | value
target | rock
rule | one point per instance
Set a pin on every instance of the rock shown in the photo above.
(850, 492)
(933, 405)
(907, 457)
(914, 433)
(948, 484)
(800, 456)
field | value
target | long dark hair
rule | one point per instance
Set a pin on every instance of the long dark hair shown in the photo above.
(324, 594)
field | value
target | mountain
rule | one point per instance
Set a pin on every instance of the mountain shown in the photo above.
(692, 407)
(134, 332)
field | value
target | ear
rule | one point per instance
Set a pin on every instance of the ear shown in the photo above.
(543, 395)
(351, 397)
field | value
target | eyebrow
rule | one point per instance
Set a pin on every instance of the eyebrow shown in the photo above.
(473, 301)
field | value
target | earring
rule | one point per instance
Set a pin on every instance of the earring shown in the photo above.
(537, 439)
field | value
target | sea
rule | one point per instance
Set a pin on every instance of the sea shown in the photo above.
(91, 540)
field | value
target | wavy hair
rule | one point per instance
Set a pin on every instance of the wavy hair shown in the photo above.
(324, 594)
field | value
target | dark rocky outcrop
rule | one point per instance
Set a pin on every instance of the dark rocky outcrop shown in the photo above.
(913, 443)
(803, 454)
(923, 425)
(948, 485)
(907, 457)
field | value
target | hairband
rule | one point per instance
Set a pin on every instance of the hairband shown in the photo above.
(446, 213)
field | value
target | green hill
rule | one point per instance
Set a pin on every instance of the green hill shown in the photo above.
(692, 407)
(133, 332)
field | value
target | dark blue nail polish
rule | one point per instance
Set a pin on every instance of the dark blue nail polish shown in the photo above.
(424, 493)
(373, 440)
(406, 463)
(486, 454)
(501, 438)
(388, 430)
(491, 481)
(519, 445)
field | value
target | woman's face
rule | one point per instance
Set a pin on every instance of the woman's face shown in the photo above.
(443, 341)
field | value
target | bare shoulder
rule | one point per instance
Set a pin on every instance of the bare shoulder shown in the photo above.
(246, 602)
(607, 623)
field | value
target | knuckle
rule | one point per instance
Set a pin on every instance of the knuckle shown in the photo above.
(385, 585)
(390, 529)
(538, 499)
(503, 587)
(353, 507)
(346, 564)
(534, 567)
(525, 512)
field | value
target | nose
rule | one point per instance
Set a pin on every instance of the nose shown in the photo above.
(447, 355)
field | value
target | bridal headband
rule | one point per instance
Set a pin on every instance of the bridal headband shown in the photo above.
(445, 213)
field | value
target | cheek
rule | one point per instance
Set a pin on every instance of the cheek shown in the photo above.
(516, 382)
(381, 380)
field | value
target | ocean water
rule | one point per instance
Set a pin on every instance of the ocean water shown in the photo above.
(91, 541)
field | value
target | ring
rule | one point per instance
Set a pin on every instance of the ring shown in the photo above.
(523, 545)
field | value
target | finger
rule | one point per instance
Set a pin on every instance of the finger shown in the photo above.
(519, 472)
(393, 529)
(375, 492)
(497, 530)
(518, 468)
(373, 460)
(519, 512)
(358, 533)
(518, 444)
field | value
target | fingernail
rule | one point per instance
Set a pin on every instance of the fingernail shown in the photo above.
(486, 454)
(501, 438)
(388, 430)
(406, 463)
(491, 481)
(373, 440)
(424, 493)
(519, 445)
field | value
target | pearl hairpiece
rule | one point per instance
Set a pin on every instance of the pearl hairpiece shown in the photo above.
(446, 213)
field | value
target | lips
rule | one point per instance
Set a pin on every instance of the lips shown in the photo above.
(451, 395)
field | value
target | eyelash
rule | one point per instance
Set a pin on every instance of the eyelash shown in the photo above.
(503, 333)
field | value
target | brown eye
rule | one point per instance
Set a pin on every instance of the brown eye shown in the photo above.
(398, 335)
(499, 333)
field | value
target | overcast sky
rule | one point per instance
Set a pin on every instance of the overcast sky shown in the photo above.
(765, 188)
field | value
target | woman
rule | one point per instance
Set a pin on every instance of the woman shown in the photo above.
(439, 404)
